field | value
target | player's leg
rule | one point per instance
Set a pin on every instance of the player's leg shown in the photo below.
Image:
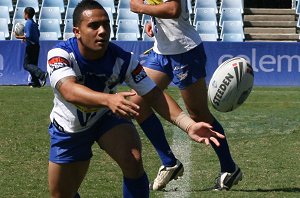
(152, 127)
(123, 144)
(65, 179)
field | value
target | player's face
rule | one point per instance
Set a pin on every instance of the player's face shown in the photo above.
(93, 33)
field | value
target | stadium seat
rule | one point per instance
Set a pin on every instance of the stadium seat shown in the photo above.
(4, 27)
(124, 4)
(108, 3)
(50, 13)
(207, 27)
(72, 3)
(68, 35)
(110, 15)
(145, 18)
(48, 36)
(208, 37)
(28, 3)
(232, 27)
(124, 13)
(230, 14)
(233, 38)
(7, 3)
(126, 37)
(68, 28)
(4, 13)
(206, 4)
(205, 14)
(232, 4)
(128, 26)
(2, 36)
(69, 13)
(50, 25)
(54, 3)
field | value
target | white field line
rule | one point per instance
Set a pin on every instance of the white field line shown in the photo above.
(181, 146)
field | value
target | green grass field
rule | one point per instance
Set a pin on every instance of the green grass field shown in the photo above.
(264, 137)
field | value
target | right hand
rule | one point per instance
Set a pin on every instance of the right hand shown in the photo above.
(148, 29)
(121, 106)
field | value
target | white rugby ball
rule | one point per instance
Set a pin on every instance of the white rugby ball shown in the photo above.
(230, 84)
(19, 29)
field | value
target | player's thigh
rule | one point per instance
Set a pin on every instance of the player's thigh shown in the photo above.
(122, 143)
(65, 179)
(195, 99)
(162, 80)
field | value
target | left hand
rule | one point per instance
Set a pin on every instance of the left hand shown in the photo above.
(202, 132)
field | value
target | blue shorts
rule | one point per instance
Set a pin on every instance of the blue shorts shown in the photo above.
(72, 147)
(184, 69)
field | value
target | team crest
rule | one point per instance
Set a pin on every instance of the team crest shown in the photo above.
(138, 74)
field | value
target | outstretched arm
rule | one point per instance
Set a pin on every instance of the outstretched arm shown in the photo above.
(166, 106)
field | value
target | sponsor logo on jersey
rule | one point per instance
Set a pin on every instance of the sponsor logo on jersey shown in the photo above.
(58, 62)
(138, 74)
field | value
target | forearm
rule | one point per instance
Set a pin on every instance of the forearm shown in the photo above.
(81, 95)
(167, 10)
(20, 37)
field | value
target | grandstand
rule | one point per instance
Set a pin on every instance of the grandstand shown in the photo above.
(275, 20)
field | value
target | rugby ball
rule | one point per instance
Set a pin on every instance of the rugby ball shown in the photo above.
(230, 84)
(19, 29)
(154, 2)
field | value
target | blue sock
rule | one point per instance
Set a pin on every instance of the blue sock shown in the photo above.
(136, 188)
(153, 129)
(226, 161)
(77, 195)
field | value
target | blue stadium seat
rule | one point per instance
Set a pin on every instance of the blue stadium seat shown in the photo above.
(110, 15)
(207, 27)
(68, 35)
(68, 26)
(206, 4)
(50, 13)
(208, 37)
(28, 3)
(108, 3)
(123, 4)
(233, 38)
(124, 13)
(54, 3)
(4, 13)
(230, 14)
(232, 27)
(2, 36)
(7, 3)
(232, 4)
(50, 25)
(69, 13)
(205, 14)
(145, 18)
(4, 27)
(126, 37)
(72, 3)
(128, 26)
(48, 36)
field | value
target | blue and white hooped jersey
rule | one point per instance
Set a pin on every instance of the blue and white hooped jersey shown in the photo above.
(115, 67)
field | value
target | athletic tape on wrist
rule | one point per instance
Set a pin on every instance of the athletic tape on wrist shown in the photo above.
(183, 121)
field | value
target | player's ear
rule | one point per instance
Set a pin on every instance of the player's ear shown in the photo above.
(76, 32)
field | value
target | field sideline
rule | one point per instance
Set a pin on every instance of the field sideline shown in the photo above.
(263, 134)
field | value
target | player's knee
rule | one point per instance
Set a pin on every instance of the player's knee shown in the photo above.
(131, 165)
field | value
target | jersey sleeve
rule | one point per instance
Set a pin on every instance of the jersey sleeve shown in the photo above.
(137, 79)
(58, 65)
